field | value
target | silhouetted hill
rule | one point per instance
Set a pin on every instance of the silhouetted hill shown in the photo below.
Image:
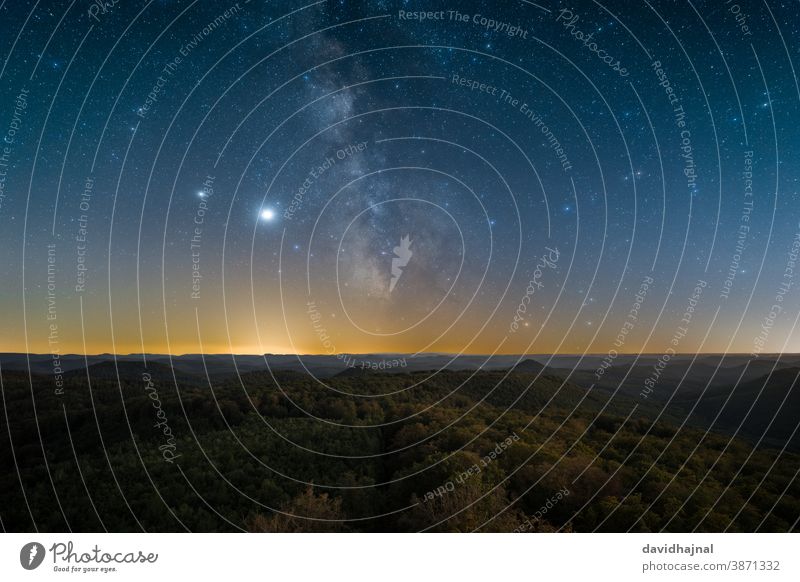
(529, 366)
(129, 370)
(765, 407)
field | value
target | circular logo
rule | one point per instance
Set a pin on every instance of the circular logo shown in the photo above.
(31, 555)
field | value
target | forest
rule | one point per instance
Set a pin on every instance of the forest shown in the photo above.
(135, 447)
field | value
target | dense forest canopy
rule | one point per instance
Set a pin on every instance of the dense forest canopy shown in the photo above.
(129, 448)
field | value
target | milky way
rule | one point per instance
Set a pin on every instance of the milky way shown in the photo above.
(655, 142)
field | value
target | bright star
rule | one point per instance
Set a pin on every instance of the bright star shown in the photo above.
(267, 214)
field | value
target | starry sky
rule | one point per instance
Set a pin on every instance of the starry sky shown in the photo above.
(184, 177)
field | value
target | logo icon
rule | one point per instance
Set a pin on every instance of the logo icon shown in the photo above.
(403, 255)
(31, 555)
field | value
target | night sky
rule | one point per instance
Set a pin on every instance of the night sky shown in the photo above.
(284, 177)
